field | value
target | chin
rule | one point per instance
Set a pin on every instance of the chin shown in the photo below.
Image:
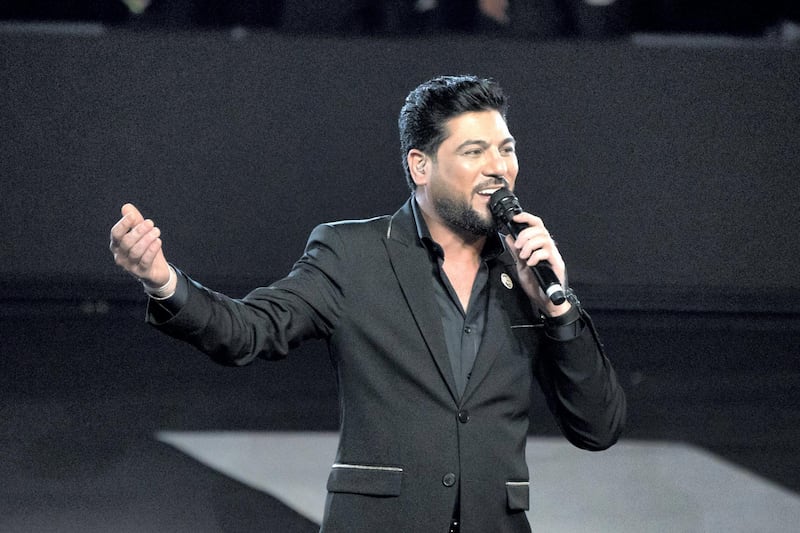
(484, 215)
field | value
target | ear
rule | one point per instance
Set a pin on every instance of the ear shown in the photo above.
(418, 166)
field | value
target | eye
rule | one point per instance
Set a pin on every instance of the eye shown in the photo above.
(509, 149)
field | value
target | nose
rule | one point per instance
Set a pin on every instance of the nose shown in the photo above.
(496, 165)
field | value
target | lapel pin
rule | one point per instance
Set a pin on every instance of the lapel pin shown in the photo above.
(506, 279)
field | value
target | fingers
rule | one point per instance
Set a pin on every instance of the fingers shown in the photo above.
(136, 245)
(130, 218)
(140, 240)
(535, 244)
(130, 210)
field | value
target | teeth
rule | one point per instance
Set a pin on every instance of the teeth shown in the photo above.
(488, 192)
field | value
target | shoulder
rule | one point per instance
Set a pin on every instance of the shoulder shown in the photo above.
(348, 229)
(345, 246)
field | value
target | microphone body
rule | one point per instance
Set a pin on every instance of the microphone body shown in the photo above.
(504, 206)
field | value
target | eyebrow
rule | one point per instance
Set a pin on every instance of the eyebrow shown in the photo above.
(483, 143)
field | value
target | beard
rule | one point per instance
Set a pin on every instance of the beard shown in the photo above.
(460, 217)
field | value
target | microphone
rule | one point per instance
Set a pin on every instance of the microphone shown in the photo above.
(504, 205)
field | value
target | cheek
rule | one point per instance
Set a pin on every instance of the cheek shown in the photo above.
(513, 169)
(461, 176)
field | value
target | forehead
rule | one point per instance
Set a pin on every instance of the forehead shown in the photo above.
(479, 125)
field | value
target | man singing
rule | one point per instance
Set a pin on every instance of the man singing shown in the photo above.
(436, 328)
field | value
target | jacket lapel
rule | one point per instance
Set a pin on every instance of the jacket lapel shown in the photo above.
(411, 265)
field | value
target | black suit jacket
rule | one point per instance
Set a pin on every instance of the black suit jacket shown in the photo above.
(409, 446)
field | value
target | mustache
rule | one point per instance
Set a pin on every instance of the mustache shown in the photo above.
(492, 182)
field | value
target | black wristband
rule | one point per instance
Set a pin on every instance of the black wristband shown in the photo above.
(567, 326)
(566, 319)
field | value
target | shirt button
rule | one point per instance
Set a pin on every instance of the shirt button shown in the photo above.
(467, 329)
(449, 479)
(463, 416)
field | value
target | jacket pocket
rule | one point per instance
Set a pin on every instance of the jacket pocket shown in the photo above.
(518, 495)
(365, 479)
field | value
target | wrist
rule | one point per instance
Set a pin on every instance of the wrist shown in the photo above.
(570, 315)
(568, 322)
(553, 311)
(164, 291)
(571, 303)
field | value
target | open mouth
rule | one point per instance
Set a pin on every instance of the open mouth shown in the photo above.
(488, 191)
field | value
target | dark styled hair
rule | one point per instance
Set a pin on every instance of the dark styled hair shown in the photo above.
(431, 104)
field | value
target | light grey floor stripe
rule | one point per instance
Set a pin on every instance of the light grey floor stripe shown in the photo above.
(635, 487)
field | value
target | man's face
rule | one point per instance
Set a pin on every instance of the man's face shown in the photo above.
(471, 164)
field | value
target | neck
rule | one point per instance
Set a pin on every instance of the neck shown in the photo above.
(457, 246)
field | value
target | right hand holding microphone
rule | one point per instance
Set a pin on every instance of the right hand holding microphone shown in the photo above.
(137, 248)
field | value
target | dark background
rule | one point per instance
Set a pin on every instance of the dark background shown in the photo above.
(670, 169)
(667, 168)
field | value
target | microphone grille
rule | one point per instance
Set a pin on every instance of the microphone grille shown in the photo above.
(504, 205)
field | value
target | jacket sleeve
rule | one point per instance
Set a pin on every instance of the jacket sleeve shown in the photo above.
(582, 389)
(270, 320)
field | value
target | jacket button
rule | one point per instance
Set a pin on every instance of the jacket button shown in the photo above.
(463, 416)
(449, 479)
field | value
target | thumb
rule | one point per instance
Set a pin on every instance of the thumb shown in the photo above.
(129, 210)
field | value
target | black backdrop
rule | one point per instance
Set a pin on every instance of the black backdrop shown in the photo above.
(668, 173)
